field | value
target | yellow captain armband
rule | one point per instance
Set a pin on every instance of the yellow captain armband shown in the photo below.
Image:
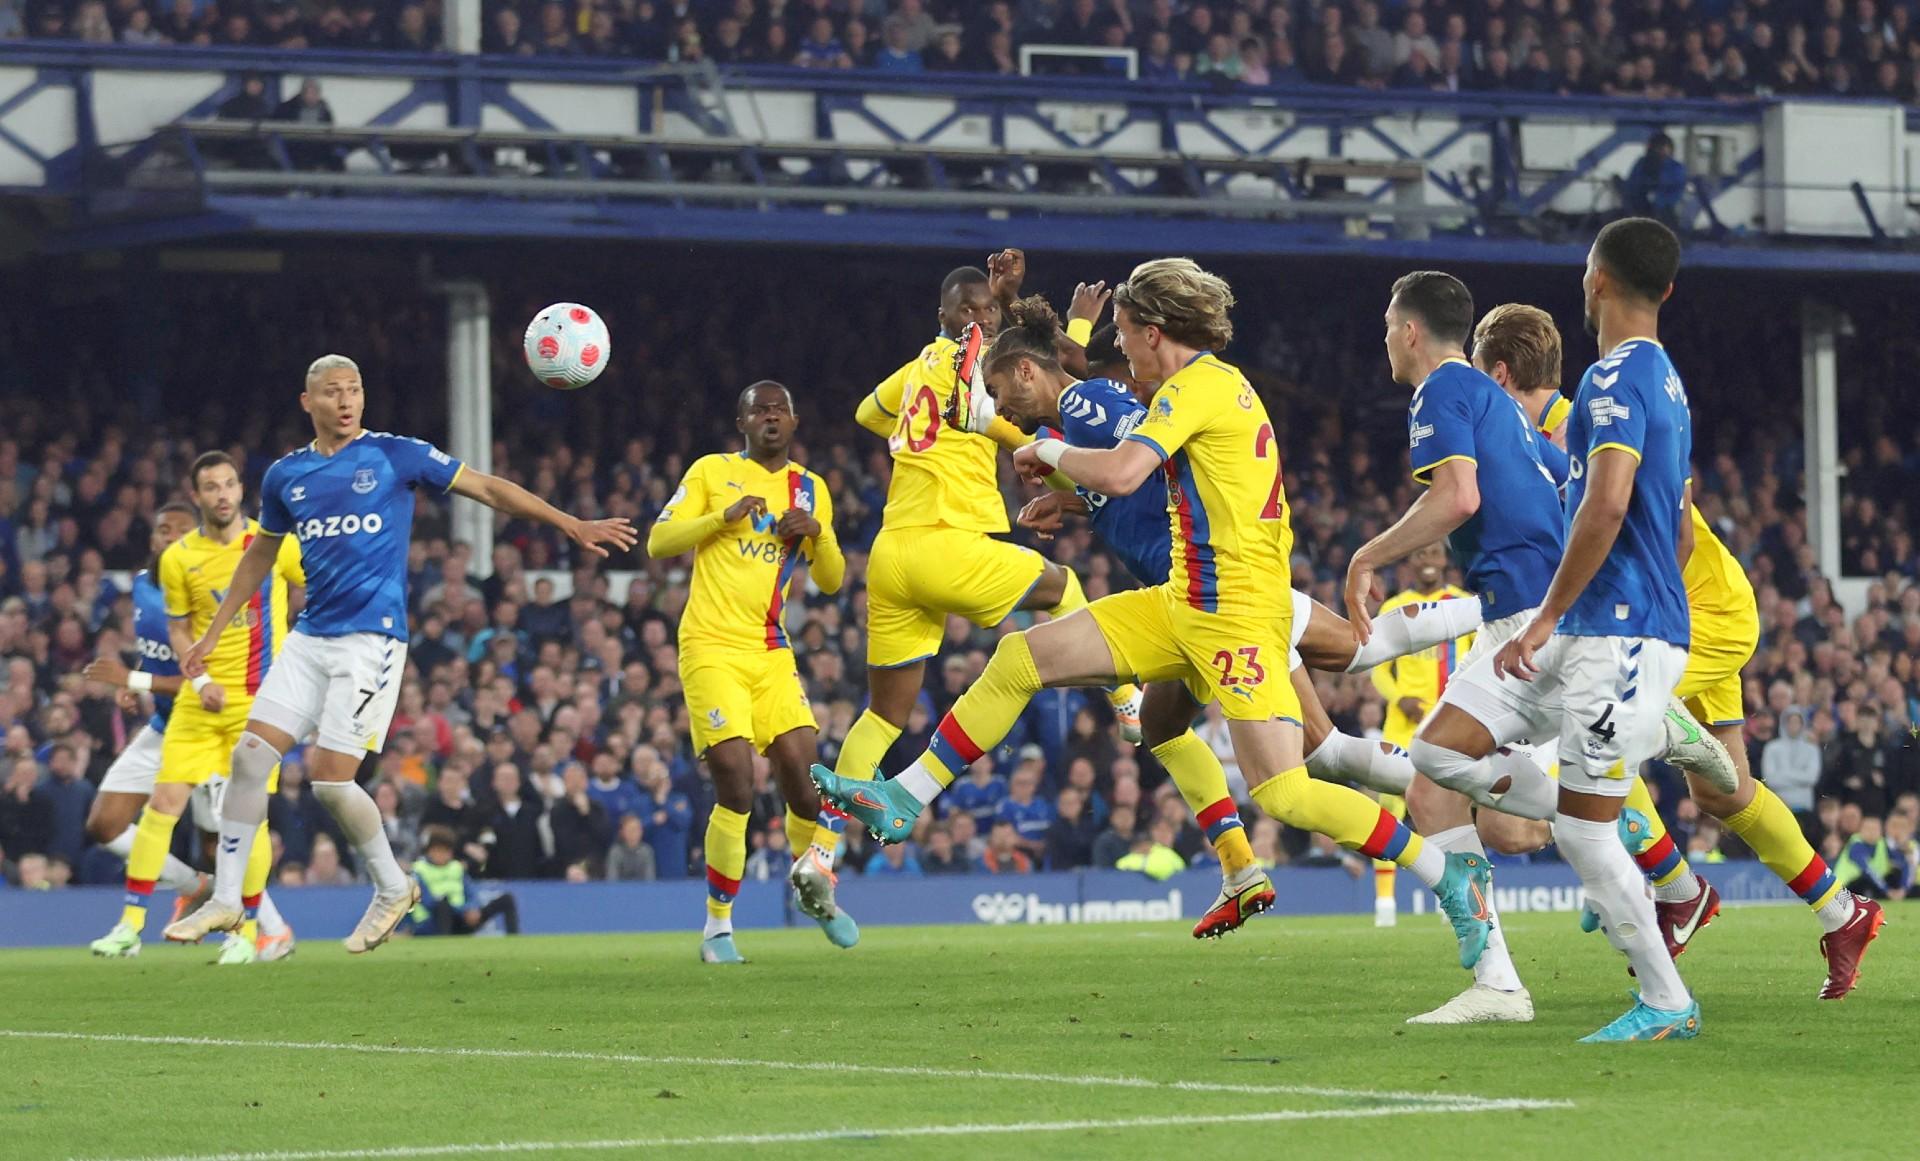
(1080, 330)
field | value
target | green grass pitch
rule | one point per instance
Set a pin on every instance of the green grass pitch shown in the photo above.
(1059, 1042)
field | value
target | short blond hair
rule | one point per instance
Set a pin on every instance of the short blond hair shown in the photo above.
(1187, 303)
(1525, 339)
(325, 363)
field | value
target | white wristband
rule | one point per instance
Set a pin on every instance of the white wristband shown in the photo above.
(140, 681)
(201, 682)
(1049, 451)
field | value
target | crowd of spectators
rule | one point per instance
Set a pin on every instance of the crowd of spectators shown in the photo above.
(546, 734)
(1643, 48)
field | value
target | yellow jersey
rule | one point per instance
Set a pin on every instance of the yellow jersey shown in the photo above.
(195, 573)
(743, 572)
(941, 475)
(1232, 541)
(1422, 676)
(1717, 587)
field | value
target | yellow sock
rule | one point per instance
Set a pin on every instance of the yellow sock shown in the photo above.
(254, 883)
(1766, 825)
(726, 862)
(1382, 869)
(1202, 782)
(1341, 813)
(1654, 850)
(799, 832)
(984, 713)
(1072, 600)
(867, 742)
(151, 840)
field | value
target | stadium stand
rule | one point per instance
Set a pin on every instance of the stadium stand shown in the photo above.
(507, 674)
(1647, 48)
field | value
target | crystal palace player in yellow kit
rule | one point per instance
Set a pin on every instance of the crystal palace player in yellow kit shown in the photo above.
(750, 518)
(936, 554)
(206, 722)
(1221, 622)
(1704, 733)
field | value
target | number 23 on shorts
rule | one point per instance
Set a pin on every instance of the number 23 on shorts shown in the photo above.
(1251, 672)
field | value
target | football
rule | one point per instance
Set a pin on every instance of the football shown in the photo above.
(567, 346)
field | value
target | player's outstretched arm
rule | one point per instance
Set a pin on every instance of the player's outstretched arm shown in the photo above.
(252, 571)
(1596, 525)
(113, 671)
(1451, 499)
(1114, 471)
(596, 536)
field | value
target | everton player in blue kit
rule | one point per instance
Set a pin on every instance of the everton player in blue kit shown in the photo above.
(1613, 631)
(1489, 494)
(348, 496)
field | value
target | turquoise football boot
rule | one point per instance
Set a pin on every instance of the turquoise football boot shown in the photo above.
(1463, 893)
(1646, 1023)
(883, 807)
(719, 949)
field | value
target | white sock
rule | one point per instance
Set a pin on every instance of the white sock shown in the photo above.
(175, 875)
(1430, 864)
(1834, 913)
(916, 781)
(717, 927)
(1495, 969)
(1617, 891)
(242, 809)
(1682, 887)
(1378, 766)
(354, 809)
(1411, 628)
(271, 921)
(1531, 794)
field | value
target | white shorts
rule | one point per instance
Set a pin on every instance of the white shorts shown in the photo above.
(138, 766)
(345, 688)
(1302, 614)
(1615, 691)
(1511, 710)
(134, 771)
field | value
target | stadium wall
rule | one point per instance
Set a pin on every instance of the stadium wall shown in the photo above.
(71, 917)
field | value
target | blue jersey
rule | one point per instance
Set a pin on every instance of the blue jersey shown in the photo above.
(353, 513)
(152, 640)
(1511, 546)
(1098, 414)
(1632, 400)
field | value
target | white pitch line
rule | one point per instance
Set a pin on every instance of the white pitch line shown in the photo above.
(1093, 1081)
(820, 1135)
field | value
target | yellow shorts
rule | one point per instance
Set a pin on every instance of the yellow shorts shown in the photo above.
(757, 696)
(1239, 661)
(199, 745)
(916, 577)
(1711, 686)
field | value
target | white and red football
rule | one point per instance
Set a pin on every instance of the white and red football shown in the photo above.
(567, 346)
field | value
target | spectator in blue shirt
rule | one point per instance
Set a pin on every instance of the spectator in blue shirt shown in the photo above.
(616, 793)
(668, 817)
(894, 55)
(1050, 716)
(68, 796)
(1656, 183)
(1030, 814)
(979, 794)
(896, 859)
(821, 49)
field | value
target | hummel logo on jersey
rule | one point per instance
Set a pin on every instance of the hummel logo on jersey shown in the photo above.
(1080, 407)
(298, 494)
(1604, 411)
(364, 482)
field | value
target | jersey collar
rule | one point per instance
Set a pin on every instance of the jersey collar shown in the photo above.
(1632, 339)
(1442, 363)
(313, 445)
